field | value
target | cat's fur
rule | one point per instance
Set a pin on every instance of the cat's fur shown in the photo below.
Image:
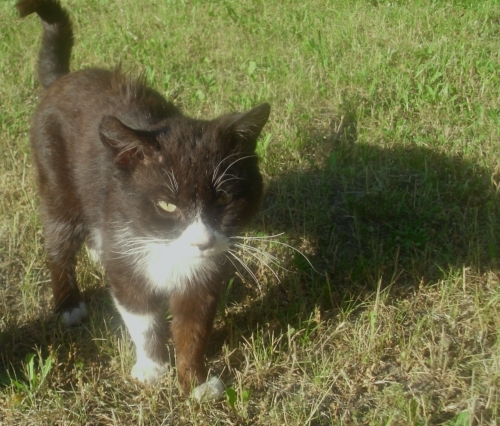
(113, 159)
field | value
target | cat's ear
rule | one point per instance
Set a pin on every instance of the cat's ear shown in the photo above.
(129, 146)
(246, 126)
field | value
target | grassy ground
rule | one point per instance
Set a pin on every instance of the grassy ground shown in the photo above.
(382, 164)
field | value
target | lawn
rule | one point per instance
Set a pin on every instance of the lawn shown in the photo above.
(381, 160)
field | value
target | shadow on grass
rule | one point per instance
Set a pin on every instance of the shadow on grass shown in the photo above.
(367, 216)
(46, 337)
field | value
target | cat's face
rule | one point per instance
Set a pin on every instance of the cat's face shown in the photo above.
(186, 187)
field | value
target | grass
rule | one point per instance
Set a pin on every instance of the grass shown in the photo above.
(381, 161)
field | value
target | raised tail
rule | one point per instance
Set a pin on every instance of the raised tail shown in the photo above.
(55, 52)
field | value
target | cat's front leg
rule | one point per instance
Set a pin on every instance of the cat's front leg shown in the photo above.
(148, 330)
(193, 314)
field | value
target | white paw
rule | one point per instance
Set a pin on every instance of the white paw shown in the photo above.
(149, 372)
(211, 389)
(75, 316)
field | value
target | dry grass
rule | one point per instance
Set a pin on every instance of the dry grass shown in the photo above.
(382, 163)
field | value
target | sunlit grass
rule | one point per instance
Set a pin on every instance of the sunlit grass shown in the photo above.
(381, 162)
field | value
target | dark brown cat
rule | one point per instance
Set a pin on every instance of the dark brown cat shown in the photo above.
(156, 195)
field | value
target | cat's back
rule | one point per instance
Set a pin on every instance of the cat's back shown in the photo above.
(78, 101)
(77, 91)
(64, 132)
(71, 109)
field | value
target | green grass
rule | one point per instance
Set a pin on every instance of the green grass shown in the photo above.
(382, 163)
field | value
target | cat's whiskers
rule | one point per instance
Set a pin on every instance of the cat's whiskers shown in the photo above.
(174, 180)
(268, 239)
(169, 187)
(265, 237)
(173, 186)
(245, 266)
(216, 170)
(229, 178)
(262, 257)
(137, 246)
(260, 260)
(267, 256)
(216, 183)
(232, 263)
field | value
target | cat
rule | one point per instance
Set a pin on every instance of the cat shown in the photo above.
(156, 195)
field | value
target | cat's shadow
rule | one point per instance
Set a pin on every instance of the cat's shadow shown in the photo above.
(365, 216)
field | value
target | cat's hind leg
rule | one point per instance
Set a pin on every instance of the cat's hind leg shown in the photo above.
(61, 211)
(63, 239)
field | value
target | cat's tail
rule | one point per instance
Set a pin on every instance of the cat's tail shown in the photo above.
(55, 52)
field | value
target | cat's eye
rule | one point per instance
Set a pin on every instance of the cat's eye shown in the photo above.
(224, 199)
(168, 207)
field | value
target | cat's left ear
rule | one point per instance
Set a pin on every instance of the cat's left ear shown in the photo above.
(246, 126)
(128, 146)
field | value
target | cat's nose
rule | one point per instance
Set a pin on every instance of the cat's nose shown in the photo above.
(200, 236)
(205, 243)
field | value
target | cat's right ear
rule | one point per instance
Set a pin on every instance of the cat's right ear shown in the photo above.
(128, 146)
(246, 126)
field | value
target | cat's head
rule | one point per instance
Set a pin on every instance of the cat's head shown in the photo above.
(188, 184)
